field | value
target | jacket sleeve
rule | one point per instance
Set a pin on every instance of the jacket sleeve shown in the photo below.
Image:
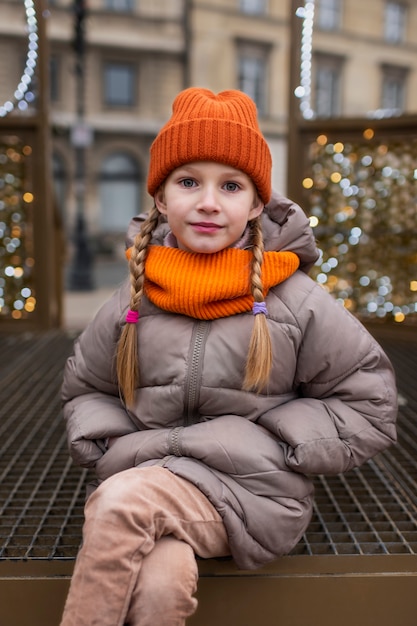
(346, 407)
(246, 452)
(91, 405)
(132, 449)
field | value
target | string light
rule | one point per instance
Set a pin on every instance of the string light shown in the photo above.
(22, 95)
(303, 91)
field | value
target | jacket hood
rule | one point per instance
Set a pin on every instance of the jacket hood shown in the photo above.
(285, 227)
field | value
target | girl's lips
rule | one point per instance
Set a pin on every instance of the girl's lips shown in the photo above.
(205, 227)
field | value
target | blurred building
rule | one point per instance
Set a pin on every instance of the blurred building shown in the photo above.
(137, 54)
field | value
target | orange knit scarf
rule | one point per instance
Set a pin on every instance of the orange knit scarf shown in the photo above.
(209, 286)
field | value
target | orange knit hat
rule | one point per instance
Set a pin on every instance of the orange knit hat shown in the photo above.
(209, 127)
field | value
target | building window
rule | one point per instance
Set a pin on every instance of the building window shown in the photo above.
(54, 74)
(122, 6)
(327, 85)
(393, 88)
(119, 84)
(253, 7)
(395, 19)
(329, 14)
(252, 77)
(120, 184)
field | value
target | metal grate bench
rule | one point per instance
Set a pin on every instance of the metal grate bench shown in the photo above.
(356, 563)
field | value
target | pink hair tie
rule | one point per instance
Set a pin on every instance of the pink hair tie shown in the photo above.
(259, 307)
(132, 316)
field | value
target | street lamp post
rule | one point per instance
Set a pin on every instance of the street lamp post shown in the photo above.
(80, 278)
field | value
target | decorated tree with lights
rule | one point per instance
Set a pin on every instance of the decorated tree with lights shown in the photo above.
(362, 199)
(363, 204)
(17, 297)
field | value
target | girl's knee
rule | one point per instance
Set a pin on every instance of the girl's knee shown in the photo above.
(111, 494)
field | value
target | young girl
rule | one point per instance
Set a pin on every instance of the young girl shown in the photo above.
(206, 391)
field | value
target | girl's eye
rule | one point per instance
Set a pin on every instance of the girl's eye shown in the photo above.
(231, 186)
(187, 182)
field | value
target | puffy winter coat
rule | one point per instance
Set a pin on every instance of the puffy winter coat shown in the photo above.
(331, 402)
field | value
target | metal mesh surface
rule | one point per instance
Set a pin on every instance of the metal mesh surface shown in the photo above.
(371, 510)
(41, 491)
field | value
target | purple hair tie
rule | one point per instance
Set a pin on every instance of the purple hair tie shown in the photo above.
(259, 307)
(132, 317)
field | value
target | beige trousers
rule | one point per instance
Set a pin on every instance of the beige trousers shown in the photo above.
(137, 565)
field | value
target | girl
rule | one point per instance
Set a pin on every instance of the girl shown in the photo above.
(206, 391)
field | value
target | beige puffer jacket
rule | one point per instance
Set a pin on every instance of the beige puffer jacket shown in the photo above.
(331, 403)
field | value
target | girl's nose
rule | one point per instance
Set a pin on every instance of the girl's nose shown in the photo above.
(208, 200)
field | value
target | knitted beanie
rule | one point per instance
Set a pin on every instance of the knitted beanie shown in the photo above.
(209, 127)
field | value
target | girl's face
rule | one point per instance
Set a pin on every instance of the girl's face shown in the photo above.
(208, 205)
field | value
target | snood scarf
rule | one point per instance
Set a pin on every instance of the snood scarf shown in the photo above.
(210, 286)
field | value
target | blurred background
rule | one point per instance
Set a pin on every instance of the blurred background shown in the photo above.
(85, 85)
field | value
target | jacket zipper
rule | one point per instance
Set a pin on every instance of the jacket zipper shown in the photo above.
(192, 388)
(174, 441)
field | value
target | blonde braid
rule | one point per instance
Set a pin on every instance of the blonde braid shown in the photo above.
(259, 360)
(127, 350)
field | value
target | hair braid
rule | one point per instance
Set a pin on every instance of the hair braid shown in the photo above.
(259, 360)
(127, 350)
